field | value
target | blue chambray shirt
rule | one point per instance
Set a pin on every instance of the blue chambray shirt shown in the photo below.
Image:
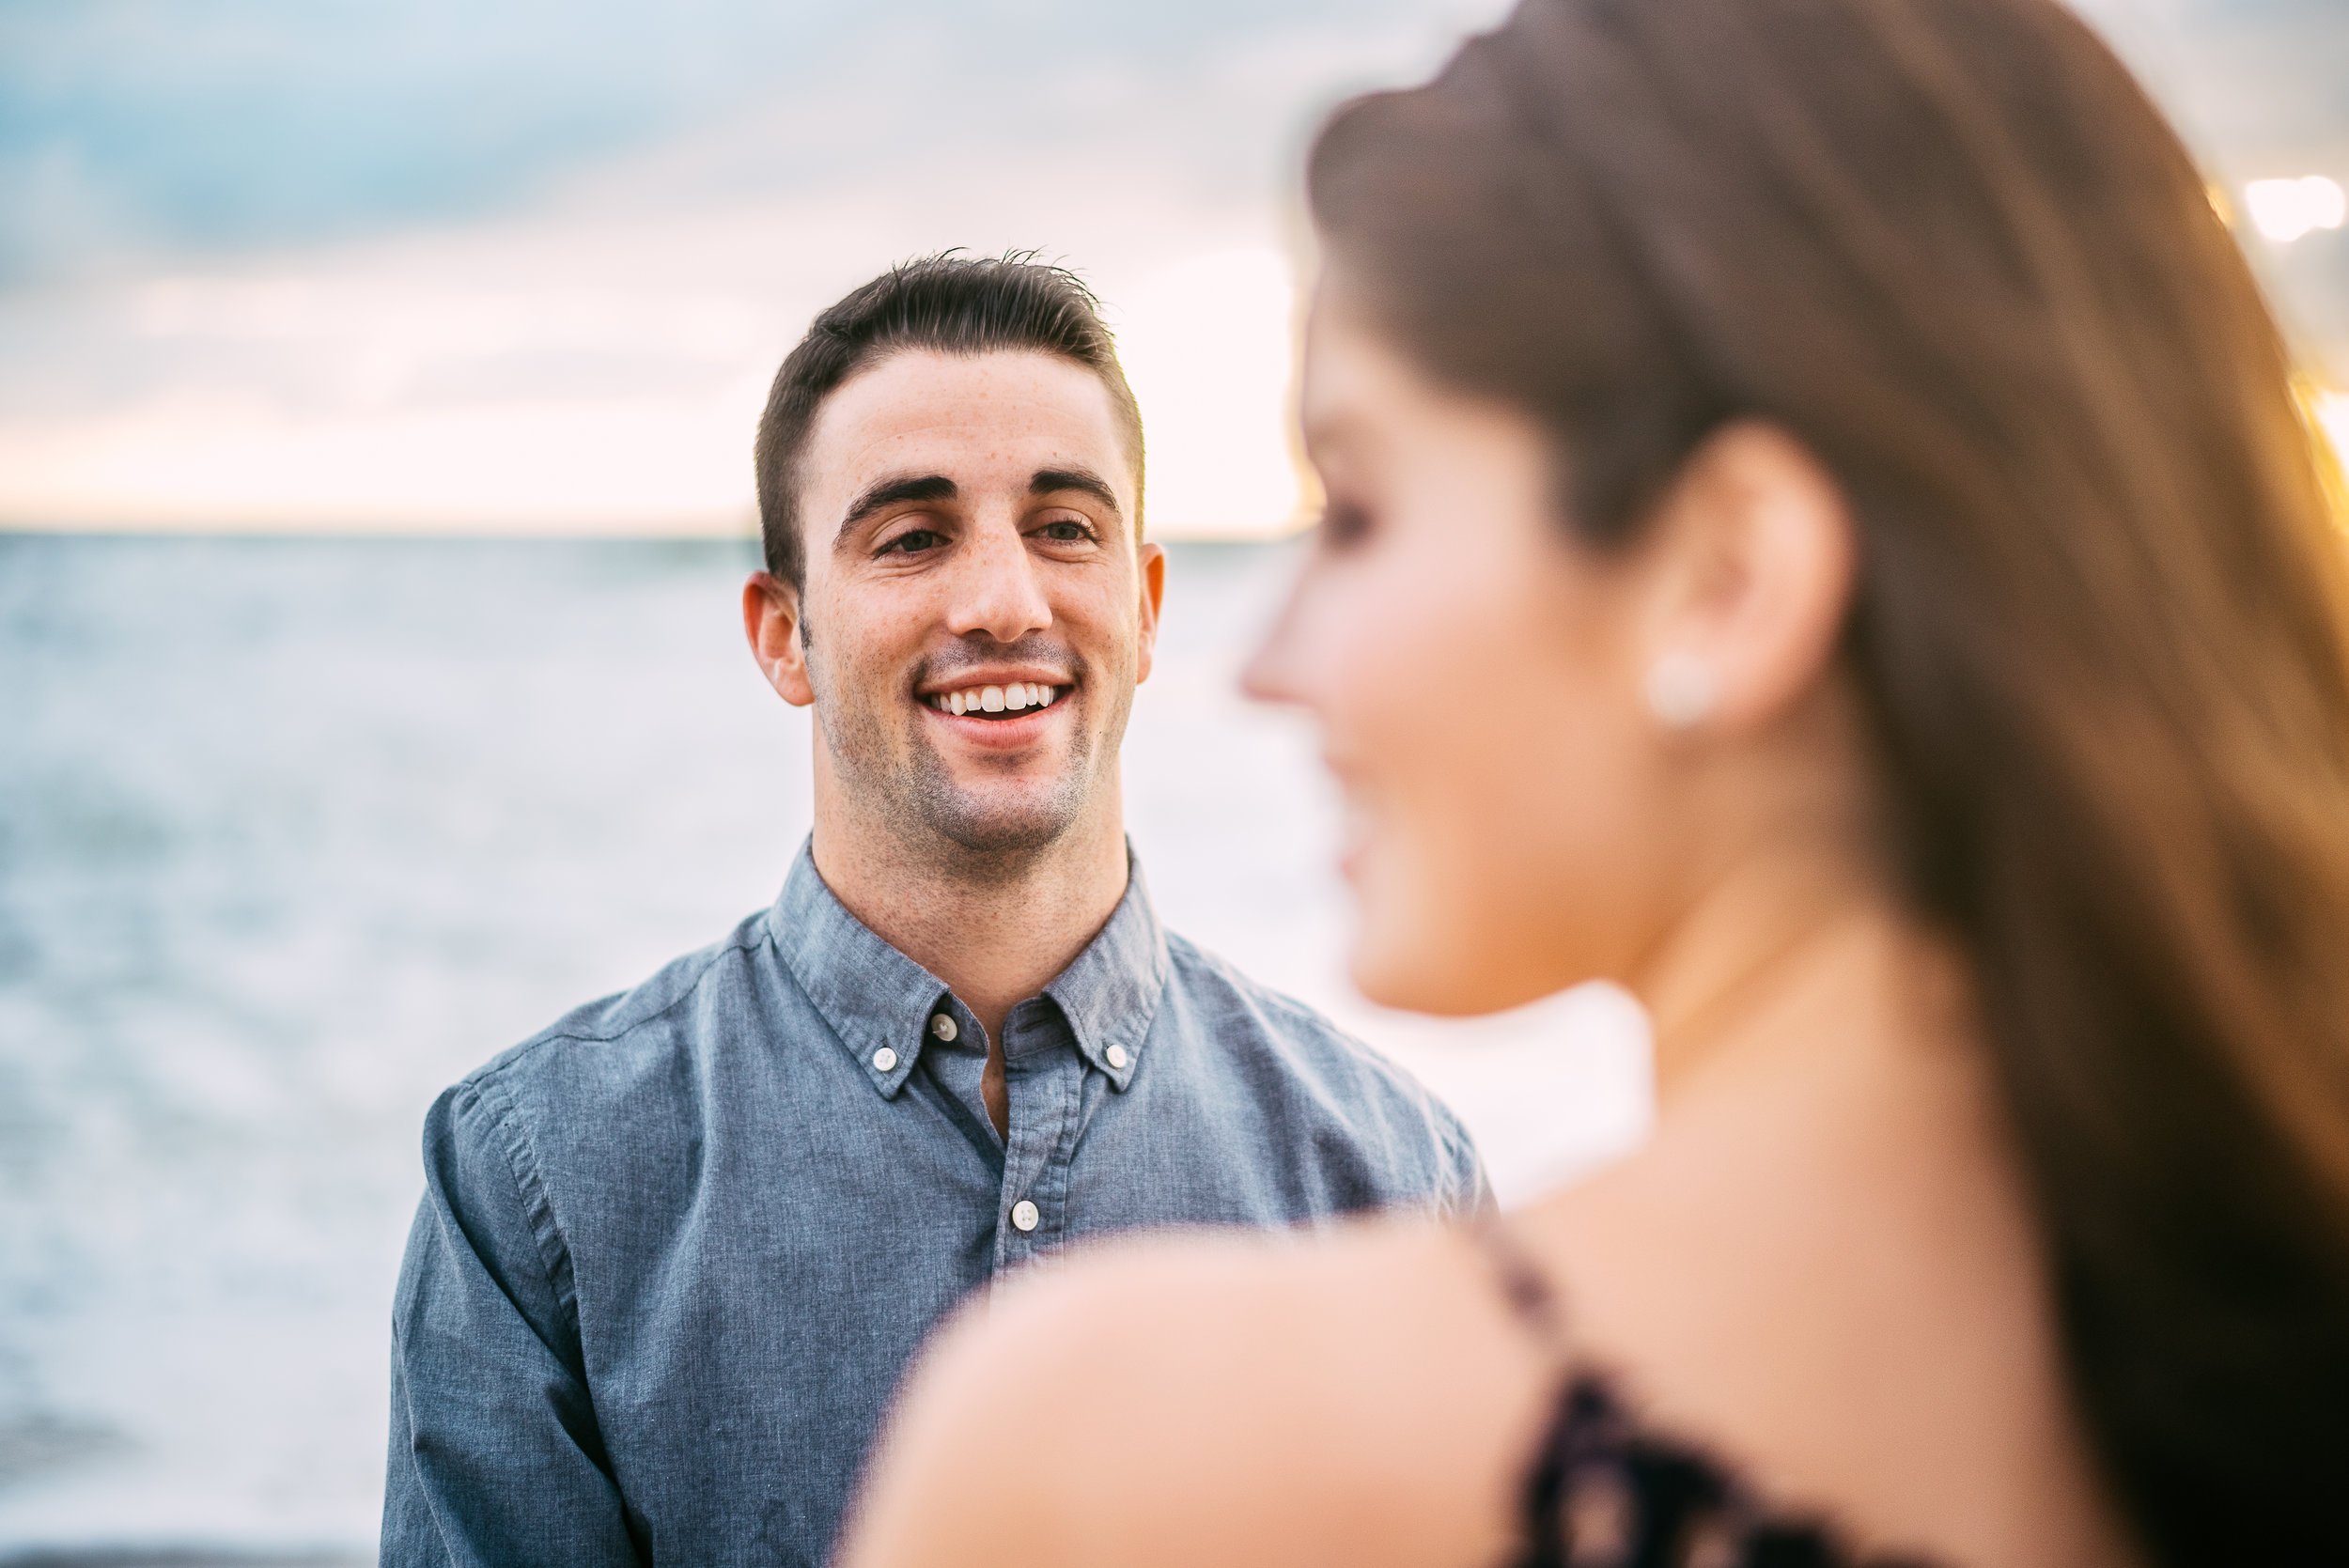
(676, 1252)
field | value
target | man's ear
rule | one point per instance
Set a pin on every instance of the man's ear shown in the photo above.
(770, 618)
(1755, 560)
(1151, 558)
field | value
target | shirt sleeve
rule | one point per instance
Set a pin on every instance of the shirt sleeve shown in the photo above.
(1468, 1192)
(495, 1454)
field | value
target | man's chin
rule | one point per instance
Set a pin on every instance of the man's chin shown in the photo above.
(984, 823)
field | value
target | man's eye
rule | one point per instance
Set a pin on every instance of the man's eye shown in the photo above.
(913, 542)
(1066, 532)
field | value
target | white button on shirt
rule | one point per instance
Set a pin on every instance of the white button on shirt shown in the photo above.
(944, 1026)
(884, 1059)
(1116, 1056)
(1024, 1216)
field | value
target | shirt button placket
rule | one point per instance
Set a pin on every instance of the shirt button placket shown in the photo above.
(1045, 1081)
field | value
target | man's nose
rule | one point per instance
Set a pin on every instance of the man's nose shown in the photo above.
(996, 591)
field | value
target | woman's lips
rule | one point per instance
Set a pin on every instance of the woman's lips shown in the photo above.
(1353, 841)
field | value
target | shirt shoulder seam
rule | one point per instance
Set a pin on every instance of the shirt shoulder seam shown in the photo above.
(1459, 1160)
(552, 1037)
(530, 1187)
(1290, 1008)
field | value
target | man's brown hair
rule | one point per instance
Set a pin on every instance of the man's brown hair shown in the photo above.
(945, 303)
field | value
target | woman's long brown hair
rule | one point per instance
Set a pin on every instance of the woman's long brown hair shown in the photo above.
(2099, 628)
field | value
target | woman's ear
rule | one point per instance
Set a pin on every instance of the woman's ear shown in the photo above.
(1750, 568)
(770, 618)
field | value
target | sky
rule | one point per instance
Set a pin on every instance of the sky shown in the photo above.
(518, 267)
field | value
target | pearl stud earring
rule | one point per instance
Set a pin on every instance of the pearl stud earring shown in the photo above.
(1680, 690)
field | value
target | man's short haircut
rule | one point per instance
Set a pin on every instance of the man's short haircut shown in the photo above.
(946, 303)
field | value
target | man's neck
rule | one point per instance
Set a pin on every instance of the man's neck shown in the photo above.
(995, 930)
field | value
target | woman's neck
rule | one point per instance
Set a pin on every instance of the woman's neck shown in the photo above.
(1824, 1260)
(1791, 951)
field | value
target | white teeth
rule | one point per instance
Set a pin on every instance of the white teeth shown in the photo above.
(1011, 697)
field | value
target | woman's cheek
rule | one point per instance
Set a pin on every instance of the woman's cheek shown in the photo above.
(1432, 744)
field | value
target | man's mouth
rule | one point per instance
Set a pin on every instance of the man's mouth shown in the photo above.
(996, 702)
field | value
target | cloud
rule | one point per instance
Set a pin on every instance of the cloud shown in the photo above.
(209, 126)
(317, 263)
(594, 358)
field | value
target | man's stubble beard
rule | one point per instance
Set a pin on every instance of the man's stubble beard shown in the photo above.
(937, 819)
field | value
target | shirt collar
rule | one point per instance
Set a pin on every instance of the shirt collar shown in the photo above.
(880, 1002)
(1110, 992)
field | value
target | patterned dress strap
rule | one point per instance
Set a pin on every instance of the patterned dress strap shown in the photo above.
(1600, 1489)
(1534, 1303)
(1531, 1299)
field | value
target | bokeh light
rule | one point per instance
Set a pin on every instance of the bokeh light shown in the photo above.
(2285, 210)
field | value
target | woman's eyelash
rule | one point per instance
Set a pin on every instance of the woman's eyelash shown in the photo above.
(1342, 522)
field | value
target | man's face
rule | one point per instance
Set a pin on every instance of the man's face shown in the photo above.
(969, 544)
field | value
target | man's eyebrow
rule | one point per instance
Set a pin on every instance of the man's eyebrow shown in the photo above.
(888, 492)
(1048, 480)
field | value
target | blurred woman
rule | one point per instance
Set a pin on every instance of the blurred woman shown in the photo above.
(1818, 532)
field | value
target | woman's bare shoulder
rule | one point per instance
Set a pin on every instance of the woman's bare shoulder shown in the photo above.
(1360, 1396)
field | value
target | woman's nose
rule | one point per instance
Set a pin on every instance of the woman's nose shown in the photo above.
(1272, 673)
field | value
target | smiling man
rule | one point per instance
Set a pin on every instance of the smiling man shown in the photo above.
(675, 1253)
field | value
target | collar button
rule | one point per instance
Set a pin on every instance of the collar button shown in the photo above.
(1116, 1057)
(942, 1026)
(884, 1059)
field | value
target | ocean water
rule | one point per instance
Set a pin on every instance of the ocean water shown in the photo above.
(293, 832)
